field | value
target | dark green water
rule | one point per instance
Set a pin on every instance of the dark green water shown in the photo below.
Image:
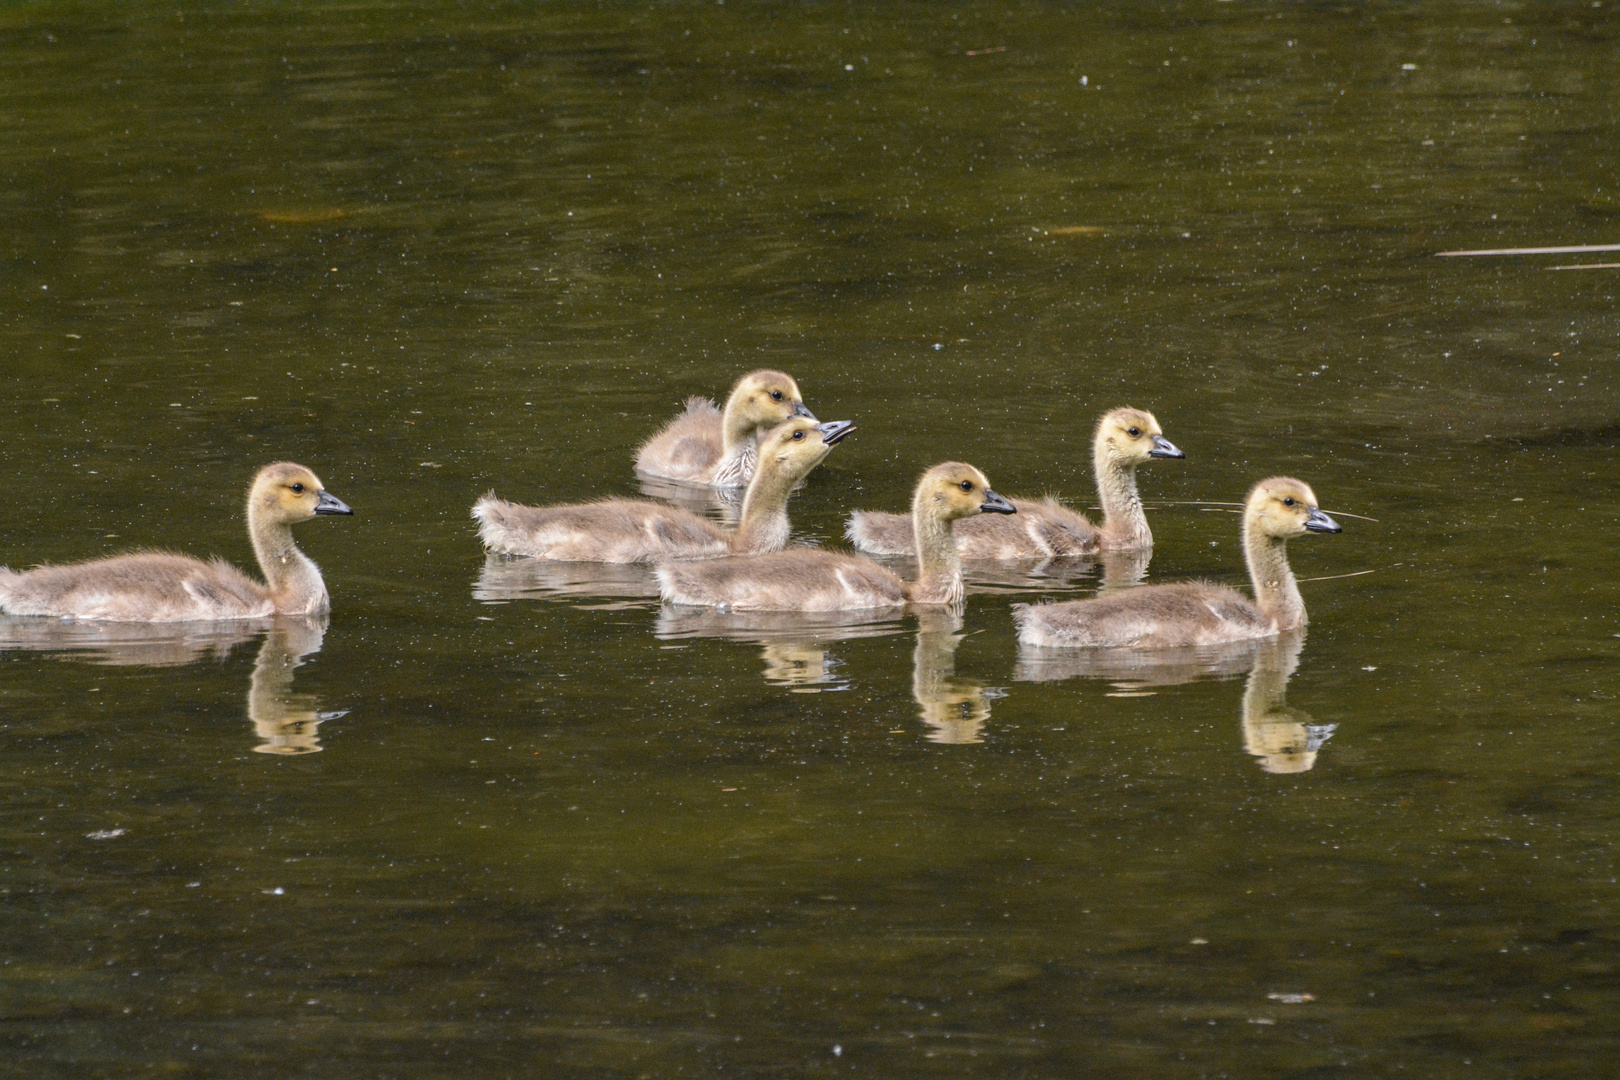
(433, 249)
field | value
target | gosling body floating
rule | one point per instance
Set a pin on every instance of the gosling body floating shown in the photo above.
(704, 445)
(638, 530)
(810, 579)
(1045, 528)
(1196, 612)
(161, 586)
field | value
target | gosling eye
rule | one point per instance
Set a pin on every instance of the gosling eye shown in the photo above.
(798, 436)
(776, 395)
(298, 489)
(1135, 432)
(966, 485)
(1288, 501)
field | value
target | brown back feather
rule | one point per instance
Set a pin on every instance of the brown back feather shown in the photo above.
(688, 445)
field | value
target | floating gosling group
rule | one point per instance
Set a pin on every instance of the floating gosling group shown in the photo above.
(767, 440)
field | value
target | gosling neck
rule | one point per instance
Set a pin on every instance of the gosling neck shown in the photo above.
(296, 587)
(1275, 590)
(1124, 523)
(939, 577)
(763, 527)
(736, 429)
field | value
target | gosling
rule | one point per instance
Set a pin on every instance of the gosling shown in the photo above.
(809, 579)
(705, 446)
(1196, 612)
(1046, 528)
(638, 530)
(164, 587)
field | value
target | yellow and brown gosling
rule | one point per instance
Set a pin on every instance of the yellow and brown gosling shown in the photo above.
(1196, 612)
(706, 446)
(1045, 528)
(161, 586)
(639, 530)
(809, 579)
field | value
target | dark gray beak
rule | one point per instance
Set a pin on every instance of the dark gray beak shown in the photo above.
(833, 430)
(800, 410)
(995, 504)
(1163, 447)
(327, 503)
(1320, 522)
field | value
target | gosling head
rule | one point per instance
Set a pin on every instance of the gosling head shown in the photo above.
(288, 493)
(765, 398)
(956, 490)
(1129, 437)
(799, 445)
(1282, 507)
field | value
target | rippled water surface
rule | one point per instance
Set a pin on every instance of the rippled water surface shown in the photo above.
(499, 819)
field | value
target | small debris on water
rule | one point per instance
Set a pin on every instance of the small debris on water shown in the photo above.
(105, 834)
(302, 217)
(1292, 999)
(1199, 941)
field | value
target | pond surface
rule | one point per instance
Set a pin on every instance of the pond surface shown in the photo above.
(552, 830)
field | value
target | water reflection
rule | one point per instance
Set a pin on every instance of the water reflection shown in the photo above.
(285, 722)
(955, 709)
(795, 649)
(506, 577)
(1282, 738)
(793, 645)
(129, 644)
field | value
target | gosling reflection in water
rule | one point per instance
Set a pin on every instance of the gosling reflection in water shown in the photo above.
(505, 577)
(128, 644)
(802, 667)
(955, 709)
(796, 650)
(288, 723)
(1282, 738)
(285, 722)
(793, 645)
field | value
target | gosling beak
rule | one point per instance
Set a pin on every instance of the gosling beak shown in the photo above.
(800, 410)
(833, 430)
(327, 503)
(995, 504)
(1320, 522)
(1163, 447)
